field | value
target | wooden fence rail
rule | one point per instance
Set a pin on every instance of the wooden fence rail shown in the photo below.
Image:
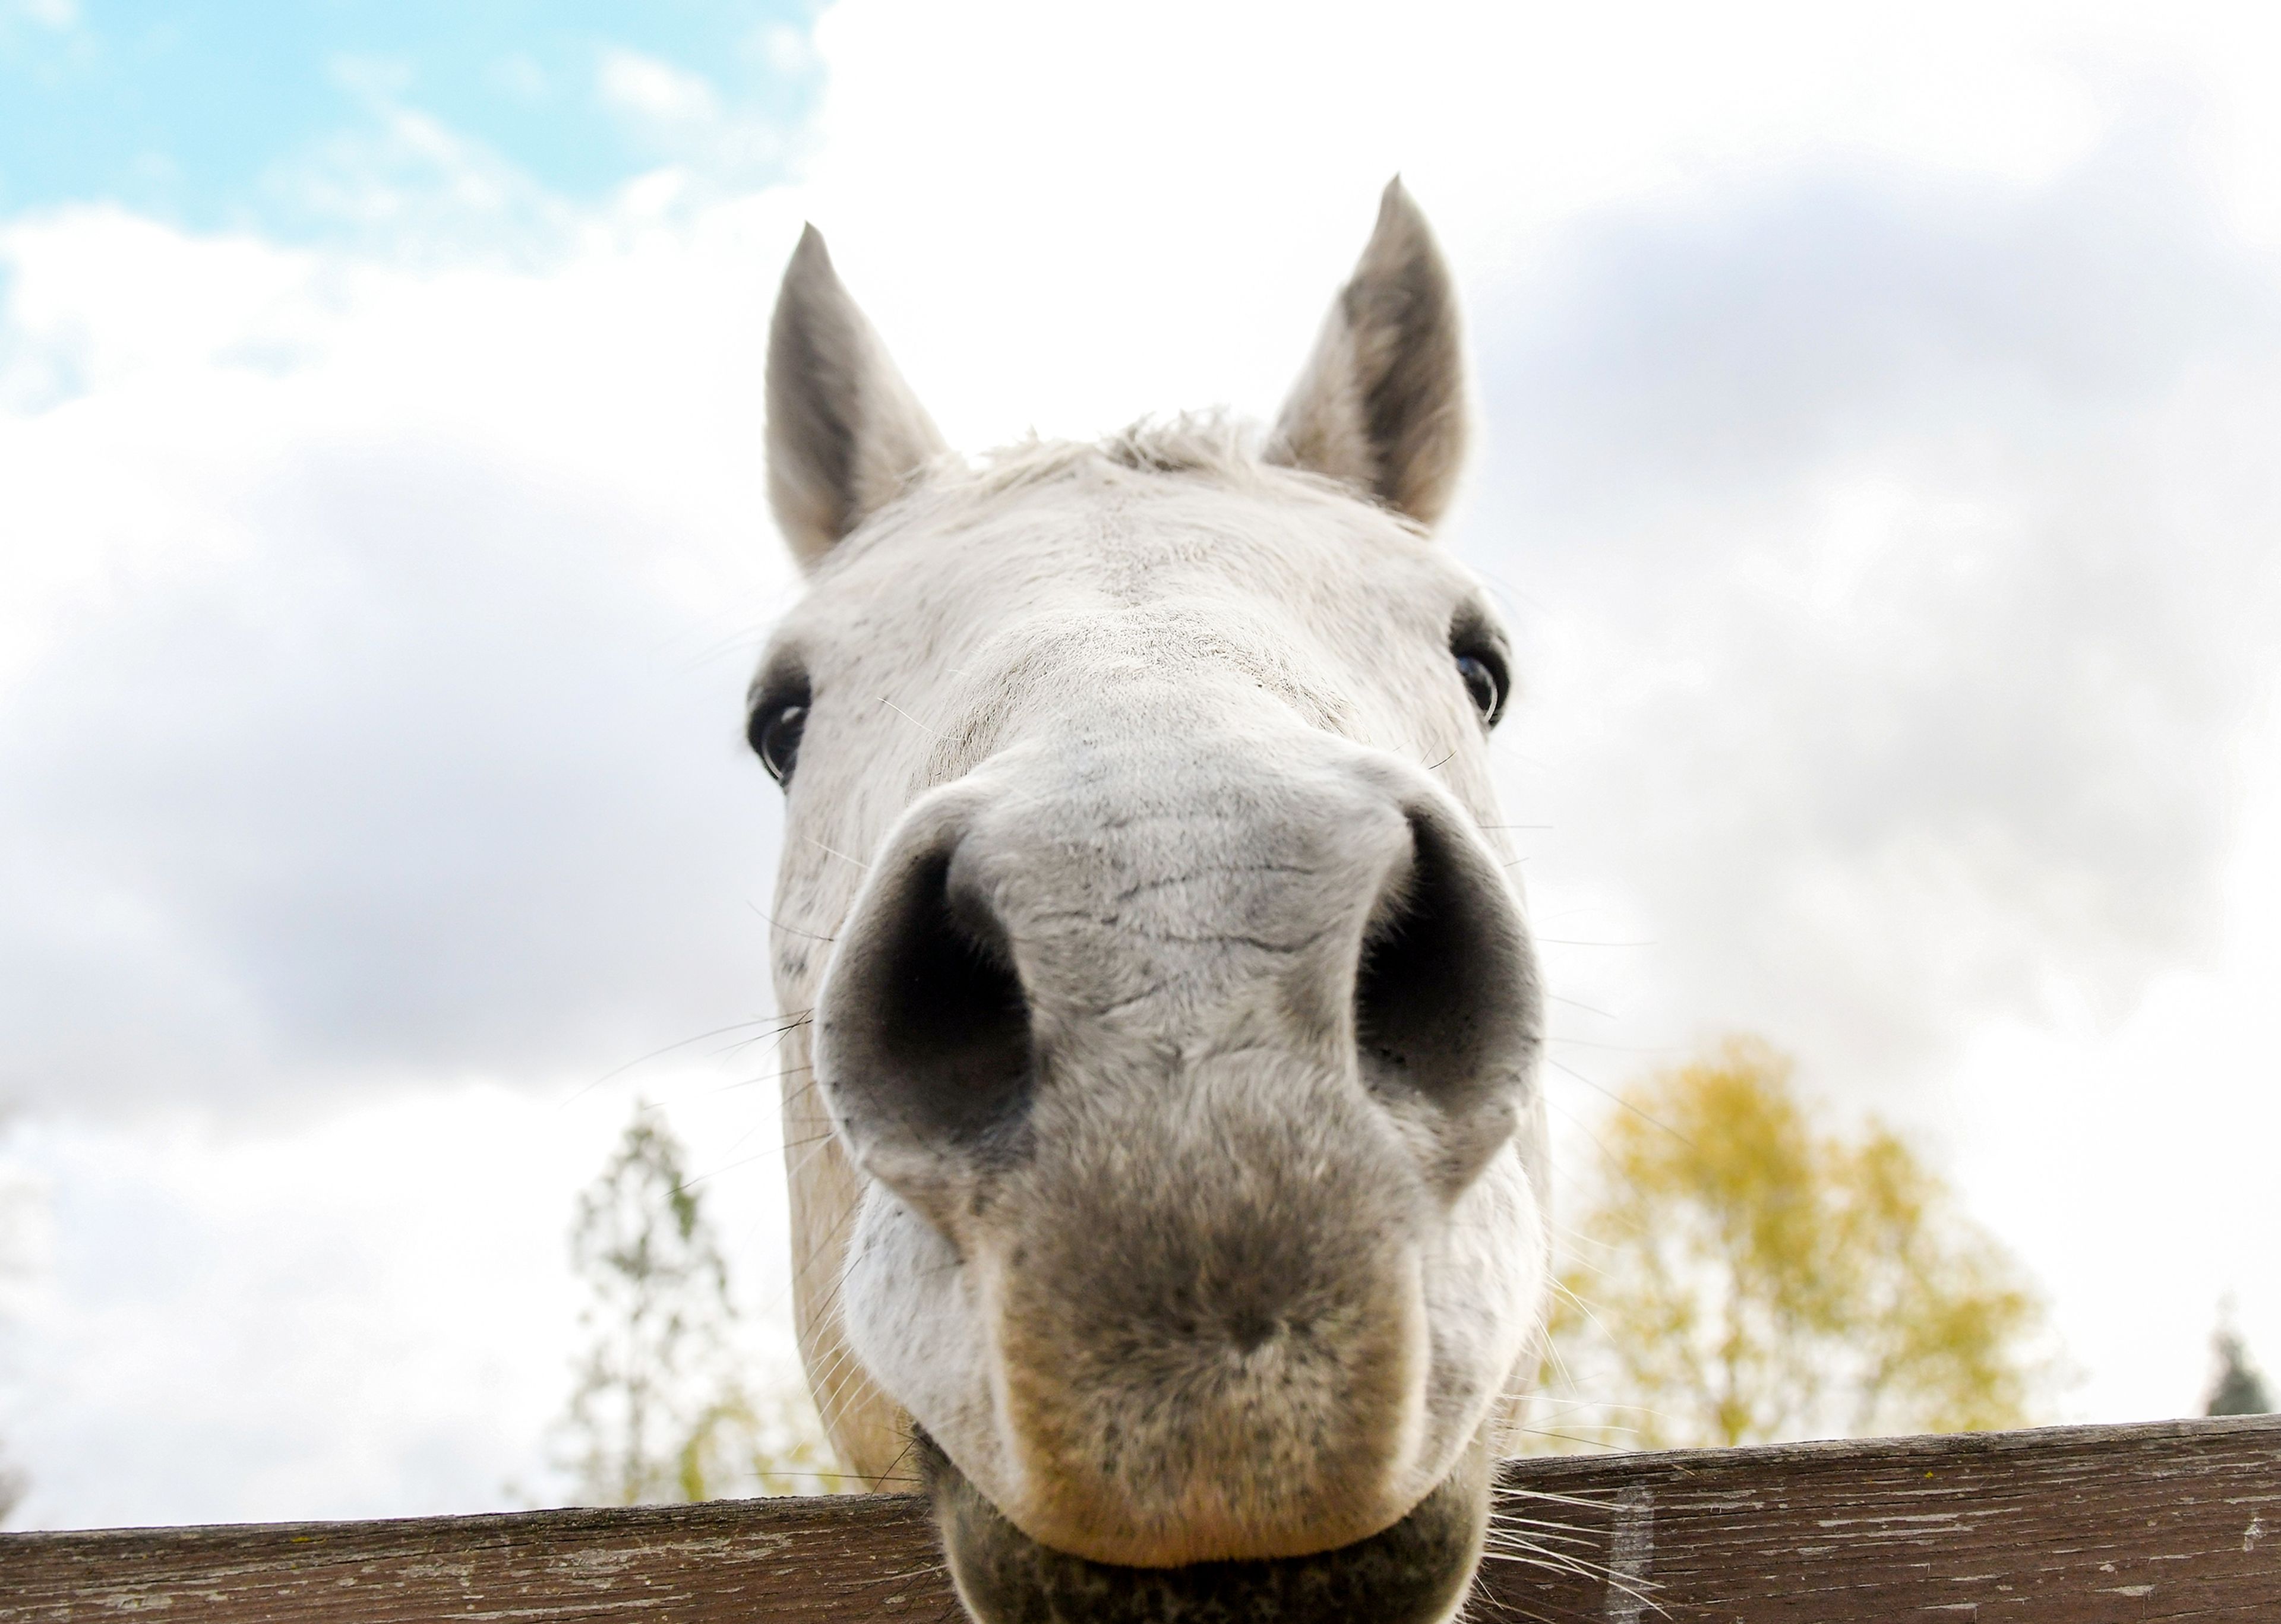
(2064, 1525)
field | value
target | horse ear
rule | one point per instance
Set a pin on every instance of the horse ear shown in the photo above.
(845, 431)
(1382, 402)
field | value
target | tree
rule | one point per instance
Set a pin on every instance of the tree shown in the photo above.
(1742, 1277)
(2239, 1388)
(769, 1442)
(662, 1410)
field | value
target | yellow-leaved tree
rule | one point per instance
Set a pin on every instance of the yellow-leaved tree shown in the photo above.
(1738, 1275)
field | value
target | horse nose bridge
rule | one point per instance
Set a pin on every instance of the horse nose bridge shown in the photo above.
(1190, 884)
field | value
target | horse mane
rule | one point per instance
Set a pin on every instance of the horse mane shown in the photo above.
(1214, 443)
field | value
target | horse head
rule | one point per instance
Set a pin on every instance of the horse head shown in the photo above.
(1166, 1146)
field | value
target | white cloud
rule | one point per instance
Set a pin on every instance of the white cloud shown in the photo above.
(1895, 569)
(362, 1312)
(2131, 1161)
(1169, 192)
(58, 14)
(375, 657)
(786, 50)
(655, 91)
(706, 148)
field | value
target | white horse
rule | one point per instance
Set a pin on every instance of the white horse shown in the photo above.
(1167, 1161)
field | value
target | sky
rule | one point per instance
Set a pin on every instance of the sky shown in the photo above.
(1876, 413)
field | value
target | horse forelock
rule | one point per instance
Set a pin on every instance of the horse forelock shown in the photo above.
(1217, 447)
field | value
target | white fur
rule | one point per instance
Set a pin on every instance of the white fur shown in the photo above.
(1173, 702)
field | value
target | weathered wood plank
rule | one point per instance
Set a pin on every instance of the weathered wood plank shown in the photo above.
(2061, 1525)
(798, 1560)
(2065, 1525)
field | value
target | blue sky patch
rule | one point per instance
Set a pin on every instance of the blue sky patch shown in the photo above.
(219, 115)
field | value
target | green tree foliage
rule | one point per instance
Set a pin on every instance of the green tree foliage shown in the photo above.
(2239, 1388)
(1741, 1276)
(662, 1409)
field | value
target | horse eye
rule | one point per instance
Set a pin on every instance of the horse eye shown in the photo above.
(774, 734)
(1485, 682)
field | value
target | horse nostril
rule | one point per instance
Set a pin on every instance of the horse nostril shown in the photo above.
(1445, 996)
(931, 1036)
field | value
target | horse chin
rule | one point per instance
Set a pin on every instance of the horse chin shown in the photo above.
(1414, 1572)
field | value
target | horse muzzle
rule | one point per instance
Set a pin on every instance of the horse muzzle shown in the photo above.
(1416, 1571)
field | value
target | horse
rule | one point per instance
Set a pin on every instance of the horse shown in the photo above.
(1162, 1110)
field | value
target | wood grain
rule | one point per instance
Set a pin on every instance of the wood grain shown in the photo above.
(2063, 1526)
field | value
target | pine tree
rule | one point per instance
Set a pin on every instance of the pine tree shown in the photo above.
(2239, 1388)
(658, 1322)
(662, 1409)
